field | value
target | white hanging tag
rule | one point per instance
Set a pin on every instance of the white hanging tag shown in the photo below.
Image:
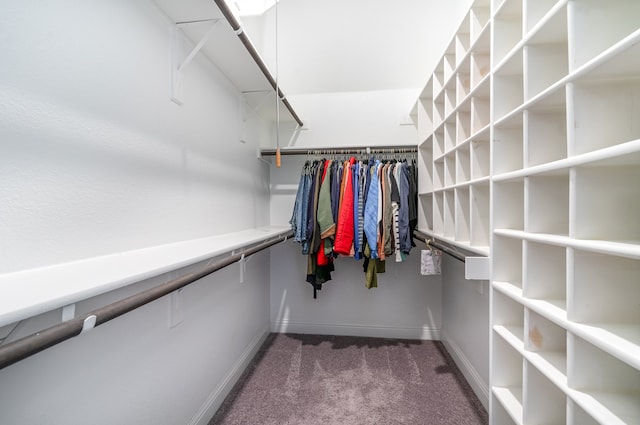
(430, 262)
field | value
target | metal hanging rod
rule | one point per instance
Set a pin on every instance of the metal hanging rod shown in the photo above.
(20, 349)
(256, 56)
(352, 150)
(432, 242)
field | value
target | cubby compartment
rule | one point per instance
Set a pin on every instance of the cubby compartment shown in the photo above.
(438, 174)
(449, 214)
(612, 214)
(438, 213)
(450, 100)
(480, 156)
(438, 79)
(449, 61)
(480, 65)
(545, 273)
(509, 87)
(462, 214)
(425, 116)
(546, 55)
(604, 292)
(508, 319)
(599, 24)
(535, 10)
(450, 169)
(510, 196)
(449, 134)
(438, 142)
(500, 416)
(549, 342)
(610, 389)
(425, 211)
(480, 208)
(605, 113)
(577, 416)
(438, 110)
(547, 203)
(462, 40)
(479, 18)
(463, 165)
(508, 145)
(463, 123)
(425, 176)
(480, 113)
(544, 403)
(507, 372)
(463, 79)
(507, 29)
(545, 134)
(510, 268)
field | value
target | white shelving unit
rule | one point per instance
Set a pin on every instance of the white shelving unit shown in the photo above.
(453, 127)
(546, 177)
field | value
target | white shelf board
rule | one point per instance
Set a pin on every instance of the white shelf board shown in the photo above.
(553, 365)
(599, 405)
(609, 64)
(31, 292)
(620, 340)
(482, 38)
(623, 154)
(535, 30)
(614, 62)
(511, 400)
(620, 249)
(510, 335)
(475, 182)
(554, 310)
(481, 250)
(509, 289)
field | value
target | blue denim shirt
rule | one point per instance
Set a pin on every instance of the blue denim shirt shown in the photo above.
(371, 211)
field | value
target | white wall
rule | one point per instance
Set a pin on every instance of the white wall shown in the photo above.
(96, 159)
(91, 144)
(334, 46)
(465, 324)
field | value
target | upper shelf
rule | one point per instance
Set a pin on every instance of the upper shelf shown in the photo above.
(230, 54)
(31, 291)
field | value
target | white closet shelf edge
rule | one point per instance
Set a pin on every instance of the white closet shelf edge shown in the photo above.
(621, 249)
(31, 292)
(604, 156)
(480, 250)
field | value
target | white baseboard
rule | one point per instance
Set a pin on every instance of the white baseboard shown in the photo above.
(397, 332)
(480, 388)
(215, 399)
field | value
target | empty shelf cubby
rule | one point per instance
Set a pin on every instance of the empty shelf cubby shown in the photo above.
(545, 274)
(547, 203)
(543, 402)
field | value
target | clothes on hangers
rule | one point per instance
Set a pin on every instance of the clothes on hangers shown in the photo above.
(355, 208)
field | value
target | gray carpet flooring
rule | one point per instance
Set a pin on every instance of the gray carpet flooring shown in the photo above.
(325, 380)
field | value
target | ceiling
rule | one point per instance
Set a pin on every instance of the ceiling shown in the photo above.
(353, 45)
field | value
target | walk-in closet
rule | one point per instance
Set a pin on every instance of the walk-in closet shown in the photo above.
(416, 212)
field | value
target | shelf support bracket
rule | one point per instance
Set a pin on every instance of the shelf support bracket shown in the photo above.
(177, 64)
